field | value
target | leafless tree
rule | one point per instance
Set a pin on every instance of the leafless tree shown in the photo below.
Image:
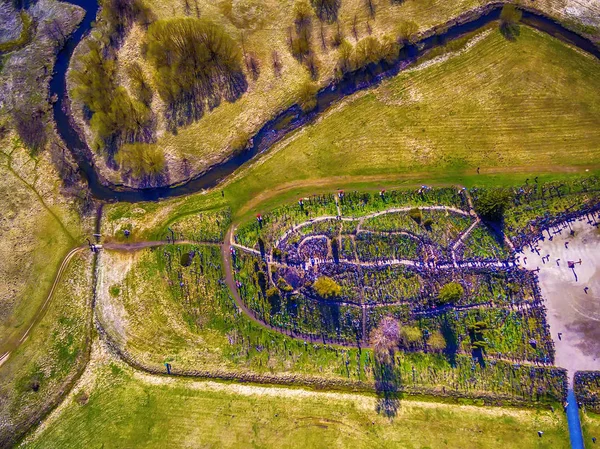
(277, 66)
(355, 28)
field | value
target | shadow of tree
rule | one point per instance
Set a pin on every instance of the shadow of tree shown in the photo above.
(510, 31)
(451, 340)
(388, 384)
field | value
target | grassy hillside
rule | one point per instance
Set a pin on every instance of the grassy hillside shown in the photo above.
(116, 408)
(533, 103)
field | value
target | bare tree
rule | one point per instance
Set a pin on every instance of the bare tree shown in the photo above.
(370, 8)
(355, 28)
(277, 66)
(252, 65)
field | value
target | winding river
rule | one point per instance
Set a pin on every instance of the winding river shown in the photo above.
(286, 121)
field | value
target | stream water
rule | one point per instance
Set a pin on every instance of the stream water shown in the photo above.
(284, 123)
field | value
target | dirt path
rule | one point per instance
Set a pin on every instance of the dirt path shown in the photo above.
(15, 340)
(135, 246)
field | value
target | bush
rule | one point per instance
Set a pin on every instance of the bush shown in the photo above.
(509, 21)
(491, 204)
(141, 159)
(450, 293)
(407, 32)
(327, 288)
(308, 96)
(437, 342)
(416, 215)
(409, 335)
(284, 286)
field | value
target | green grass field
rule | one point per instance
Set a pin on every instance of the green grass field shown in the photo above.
(38, 229)
(134, 410)
(590, 424)
(531, 105)
(264, 27)
(41, 370)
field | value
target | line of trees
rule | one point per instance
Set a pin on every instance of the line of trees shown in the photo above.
(368, 50)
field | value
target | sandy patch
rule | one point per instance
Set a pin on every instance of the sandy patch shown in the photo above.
(572, 312)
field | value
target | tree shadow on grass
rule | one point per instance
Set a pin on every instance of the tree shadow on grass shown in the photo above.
(388, 385)
(451, 340)
(510, 31)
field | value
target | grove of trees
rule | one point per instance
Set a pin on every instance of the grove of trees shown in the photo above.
(197, 64)
(116, 118)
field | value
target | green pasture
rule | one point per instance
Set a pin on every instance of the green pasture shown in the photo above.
(121, 409)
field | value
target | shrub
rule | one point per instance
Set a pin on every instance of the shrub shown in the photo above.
(480, 344)
(407, 32)
(509, 21)
(416, 215)
(409, 335)
(284, 286)
(308, 96)
(491, 204)
(240, 142)
(141, 159)
(450, 293)
(327, 288)
(437, 342)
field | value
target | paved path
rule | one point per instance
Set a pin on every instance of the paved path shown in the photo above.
(575, 433)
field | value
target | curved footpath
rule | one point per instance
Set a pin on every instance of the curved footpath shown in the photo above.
(17, 339)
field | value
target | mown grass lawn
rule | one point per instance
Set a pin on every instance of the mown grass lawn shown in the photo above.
(532, 105)
(134, 410)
